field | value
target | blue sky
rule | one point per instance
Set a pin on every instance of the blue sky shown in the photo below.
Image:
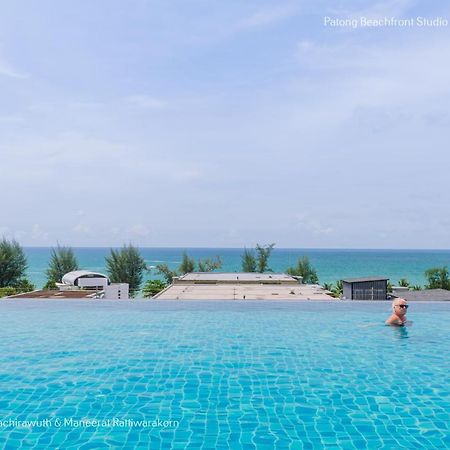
(206, 123)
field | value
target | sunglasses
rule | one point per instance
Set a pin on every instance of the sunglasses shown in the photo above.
(403, 306)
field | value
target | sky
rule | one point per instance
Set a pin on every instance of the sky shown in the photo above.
(199, 123)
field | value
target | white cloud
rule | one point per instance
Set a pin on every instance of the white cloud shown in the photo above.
(139, 230)
(11, 119)
(379, 74)
(312, 224)
(115, 231)
(8, 70)
(352, 113)
(41, 108)
(386, 8)
(376, 10)
(38, 234)
(146, 102)
(268, 16)
(81, 228)
(86, 105)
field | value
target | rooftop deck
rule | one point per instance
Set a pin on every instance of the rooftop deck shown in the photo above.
(239, 286)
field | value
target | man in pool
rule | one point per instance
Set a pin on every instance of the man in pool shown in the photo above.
(398, 317)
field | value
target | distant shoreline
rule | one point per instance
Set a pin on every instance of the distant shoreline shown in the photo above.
(331, 264)
(343, 249)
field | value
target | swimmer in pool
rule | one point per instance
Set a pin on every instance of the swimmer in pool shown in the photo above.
(398, 317)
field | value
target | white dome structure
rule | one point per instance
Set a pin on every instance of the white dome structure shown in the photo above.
(85, 279)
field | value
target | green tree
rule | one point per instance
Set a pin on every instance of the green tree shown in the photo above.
(416, 287)
(328, 287)
(152, 287)
(338, 290)
(13, 263)
(248, 261)
(62, 260)
(262, 257)
(7, 291)
(389, 287)
(25, 285)
(166, 273)
(438, 278)
(208, 265)
(305, 270)
(126, 266)
(50, 286)
(403, 282)
(187, 264)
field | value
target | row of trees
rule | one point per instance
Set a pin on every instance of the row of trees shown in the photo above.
(128, 266)
(122, 266)
(437, 278)
(258, 261)
(188, 265)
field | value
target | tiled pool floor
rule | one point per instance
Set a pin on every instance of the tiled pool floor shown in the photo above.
(226, 374)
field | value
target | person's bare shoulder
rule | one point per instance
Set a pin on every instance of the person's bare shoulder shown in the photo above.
(394, 320)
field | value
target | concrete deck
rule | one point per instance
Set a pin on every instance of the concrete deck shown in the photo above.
(75, 294)
(238, 291)
(236, 277)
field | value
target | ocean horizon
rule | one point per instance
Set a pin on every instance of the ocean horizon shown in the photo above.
(332, 264)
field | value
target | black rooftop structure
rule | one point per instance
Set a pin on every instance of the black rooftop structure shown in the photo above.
(365, 288)
(364, 279)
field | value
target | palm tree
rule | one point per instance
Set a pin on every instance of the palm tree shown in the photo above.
(339, 289)
(438, 278)
(403, 282)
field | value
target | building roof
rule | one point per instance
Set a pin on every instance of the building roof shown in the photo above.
(249, 277)
(79, 293)
(70, 277)
(244, 291)
(241, 286)
(364, 279)
(424, 295)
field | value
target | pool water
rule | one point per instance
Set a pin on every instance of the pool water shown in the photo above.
(218, 375)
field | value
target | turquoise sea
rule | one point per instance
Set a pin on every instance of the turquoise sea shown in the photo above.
(96, 374)
(331, 265)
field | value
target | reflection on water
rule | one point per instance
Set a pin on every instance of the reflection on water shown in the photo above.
(400, 332)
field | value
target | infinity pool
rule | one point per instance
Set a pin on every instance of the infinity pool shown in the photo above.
(219, 375)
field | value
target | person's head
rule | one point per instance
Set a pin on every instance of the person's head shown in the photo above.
(399, 306)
